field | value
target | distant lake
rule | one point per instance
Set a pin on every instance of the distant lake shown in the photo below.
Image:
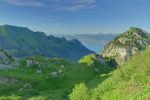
(94, 42)
(96, 47)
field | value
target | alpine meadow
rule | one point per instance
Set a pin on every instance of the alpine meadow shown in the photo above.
(74, 50)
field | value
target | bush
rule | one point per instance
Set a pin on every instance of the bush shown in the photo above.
(37, 98)
(79, 92)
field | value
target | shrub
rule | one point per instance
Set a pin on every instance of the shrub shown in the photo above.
(79, 92)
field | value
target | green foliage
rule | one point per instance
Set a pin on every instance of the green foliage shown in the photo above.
(89, 59)
(130, 81)
(79, 92)
(12, 97)
(43, 84)
(37, 98)
(129, 77)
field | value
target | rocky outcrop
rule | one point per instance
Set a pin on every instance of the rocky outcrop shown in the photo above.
(3, 57)
(4, 80)
(126, 45)
(5, 60)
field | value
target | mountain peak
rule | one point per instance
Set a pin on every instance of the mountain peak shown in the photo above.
(133, 34)
(130, 42)
(12, 26)
(7, 29)
(136, 31)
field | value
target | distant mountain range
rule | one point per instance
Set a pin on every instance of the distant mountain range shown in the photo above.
(22, 42)
(94, 42)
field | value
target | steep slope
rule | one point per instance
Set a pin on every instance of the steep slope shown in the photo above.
(21, 42)
(130, 81)
(92, 59)
(97, 63)
(127, 44)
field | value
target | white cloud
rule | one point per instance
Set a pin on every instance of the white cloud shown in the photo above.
(32, 3)
(85, 1)
(72, 5)
(62, 5)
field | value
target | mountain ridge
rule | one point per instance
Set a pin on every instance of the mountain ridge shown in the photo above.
(22, 42)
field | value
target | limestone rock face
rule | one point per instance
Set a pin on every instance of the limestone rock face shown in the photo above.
(4, 57)
(5, 60)
(126, 45)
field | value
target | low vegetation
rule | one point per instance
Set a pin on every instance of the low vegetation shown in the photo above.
(129, 82)
(94, 77)
(49, 78)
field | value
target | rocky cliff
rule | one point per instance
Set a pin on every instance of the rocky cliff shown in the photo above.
(127, 44)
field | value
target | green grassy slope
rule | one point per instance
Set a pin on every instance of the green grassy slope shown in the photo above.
(131, 81)
(89, 59)
(29, 82)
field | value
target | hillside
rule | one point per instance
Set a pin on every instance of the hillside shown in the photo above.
(127, 44)
(22, 42)
(41, 77)
(129, 82)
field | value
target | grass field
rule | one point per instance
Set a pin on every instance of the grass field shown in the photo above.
(36, 79)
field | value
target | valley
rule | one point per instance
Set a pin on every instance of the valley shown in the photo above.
(74, 50)
(44, 78)
(103, 76)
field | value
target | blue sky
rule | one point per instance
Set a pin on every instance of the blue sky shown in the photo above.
(76, 16)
